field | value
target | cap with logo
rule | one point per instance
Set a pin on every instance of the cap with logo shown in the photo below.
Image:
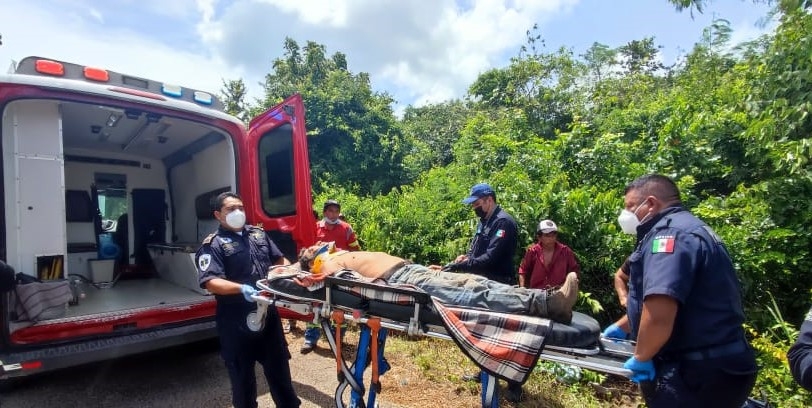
(546, 226)
(478, 191)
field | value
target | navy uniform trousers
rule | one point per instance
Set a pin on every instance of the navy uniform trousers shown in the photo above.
(701, 383)
(242, 348)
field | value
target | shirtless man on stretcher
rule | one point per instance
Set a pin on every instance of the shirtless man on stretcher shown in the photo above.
(459, 289)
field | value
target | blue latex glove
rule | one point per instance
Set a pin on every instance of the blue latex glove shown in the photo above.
(247, 292)
(641, 370)
(615, 332)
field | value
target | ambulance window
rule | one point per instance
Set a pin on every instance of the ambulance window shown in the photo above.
(276, 171)
(112, 195)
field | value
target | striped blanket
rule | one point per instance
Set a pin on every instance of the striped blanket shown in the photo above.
(505, 345)
(41, 300)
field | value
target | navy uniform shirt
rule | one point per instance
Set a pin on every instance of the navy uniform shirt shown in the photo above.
(679, 256)
(493, 248)
(239, 258)
(800, 355)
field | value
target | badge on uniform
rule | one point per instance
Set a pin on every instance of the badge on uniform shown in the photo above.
(663, 245)
(500, 233)
(203, 262)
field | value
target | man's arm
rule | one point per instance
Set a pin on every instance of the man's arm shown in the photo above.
(656, 325)
(526, 267)
(622, 286)
(220, 286)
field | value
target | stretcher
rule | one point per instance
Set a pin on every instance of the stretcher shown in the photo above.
(504, 346)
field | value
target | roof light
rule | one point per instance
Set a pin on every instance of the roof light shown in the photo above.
(50, 67)
(203, 97)
(172, 90)
(97, 74)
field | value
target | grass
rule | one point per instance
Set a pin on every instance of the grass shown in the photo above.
(427, 372)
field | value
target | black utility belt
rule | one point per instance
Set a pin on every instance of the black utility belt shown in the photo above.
(709, 353)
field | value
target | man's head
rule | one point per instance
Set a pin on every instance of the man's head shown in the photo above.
(331, 211)
(482, 199)
(547, 231)
(312, 258)
(229, 210)
(648, 195)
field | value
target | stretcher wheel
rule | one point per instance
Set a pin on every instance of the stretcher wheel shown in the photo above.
(253, 322)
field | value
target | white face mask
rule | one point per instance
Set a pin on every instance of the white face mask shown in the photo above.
(236, 219)
(628, 220)
(332, 222)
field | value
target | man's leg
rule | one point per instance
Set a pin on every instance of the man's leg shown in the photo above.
(275, 359)
(514, 391)
(311, 337)
(476, 291)
(239, 360)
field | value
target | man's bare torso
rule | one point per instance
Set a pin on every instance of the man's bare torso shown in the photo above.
(369, 264)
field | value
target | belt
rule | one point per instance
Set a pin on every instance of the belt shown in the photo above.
(723, 350)
(396, 267)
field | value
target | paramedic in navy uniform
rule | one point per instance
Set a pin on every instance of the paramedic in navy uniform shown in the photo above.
(229, 263)
(491, 252)
(684, 305)
(494, 245)
(800, 354)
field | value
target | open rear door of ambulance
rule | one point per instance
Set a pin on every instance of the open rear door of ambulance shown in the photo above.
(274, 176)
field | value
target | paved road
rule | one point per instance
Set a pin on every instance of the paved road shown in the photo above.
(181, 377)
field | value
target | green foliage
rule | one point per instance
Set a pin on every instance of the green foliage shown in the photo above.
(559, 136)
(775, 379)
(354, 139)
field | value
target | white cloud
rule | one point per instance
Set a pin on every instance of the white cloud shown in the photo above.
(96, 14)
(118, 49)
(420, 51)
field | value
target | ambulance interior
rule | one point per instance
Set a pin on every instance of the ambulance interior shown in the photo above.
(114, 200)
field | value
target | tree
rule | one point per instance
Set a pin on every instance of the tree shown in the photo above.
(433, 129)
(233, 94)
(353, 137)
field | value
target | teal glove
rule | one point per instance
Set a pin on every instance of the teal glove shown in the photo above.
(615, 332)
(641, 370)
(248, 292)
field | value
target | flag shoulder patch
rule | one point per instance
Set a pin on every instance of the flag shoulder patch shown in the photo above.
(663, 244)
(500, 233)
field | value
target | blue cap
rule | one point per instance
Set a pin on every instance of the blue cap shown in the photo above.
(478, 191)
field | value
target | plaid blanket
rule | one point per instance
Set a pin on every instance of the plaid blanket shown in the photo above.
(507, 346)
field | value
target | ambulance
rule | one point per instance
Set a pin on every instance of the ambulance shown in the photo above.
(108, 181)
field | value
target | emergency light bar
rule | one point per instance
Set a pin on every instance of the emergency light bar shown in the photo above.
(119, 82)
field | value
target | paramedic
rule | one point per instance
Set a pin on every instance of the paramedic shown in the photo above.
(684, 304)
(330, 229)
(800, 354)
(229, 262)
(547, 262)
(494, 243)
(491, 252)
(461, 289)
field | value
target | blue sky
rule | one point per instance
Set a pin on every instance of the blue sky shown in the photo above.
(420, 51)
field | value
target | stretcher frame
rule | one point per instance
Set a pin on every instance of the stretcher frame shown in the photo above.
(607, 356)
